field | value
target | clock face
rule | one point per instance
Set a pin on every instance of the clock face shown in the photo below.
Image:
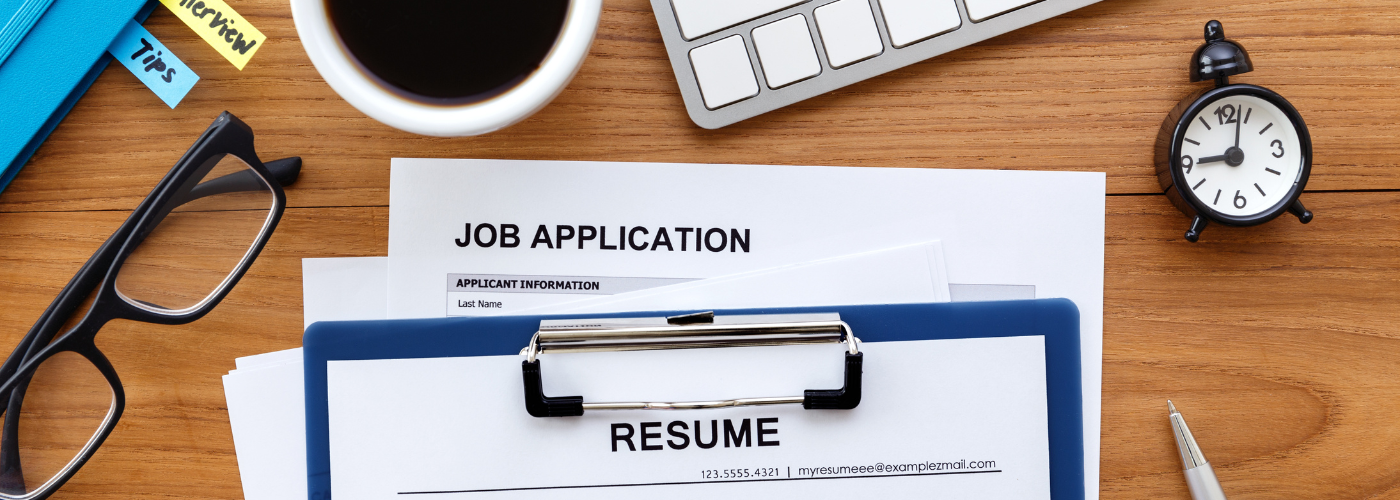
(1240, 156)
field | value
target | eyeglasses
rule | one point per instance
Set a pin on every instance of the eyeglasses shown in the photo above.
(178, 254)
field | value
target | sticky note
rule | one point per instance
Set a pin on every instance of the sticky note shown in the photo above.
(234, 37)
(153, 63)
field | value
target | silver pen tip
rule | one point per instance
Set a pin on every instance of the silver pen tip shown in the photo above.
(1191, 456)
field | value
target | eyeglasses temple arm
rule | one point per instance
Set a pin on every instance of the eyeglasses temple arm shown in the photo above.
(284, 171)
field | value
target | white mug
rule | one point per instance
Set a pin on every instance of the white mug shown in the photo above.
(345, 76)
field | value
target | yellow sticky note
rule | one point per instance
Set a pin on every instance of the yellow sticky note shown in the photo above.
(217, 23)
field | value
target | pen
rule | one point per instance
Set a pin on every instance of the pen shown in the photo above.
(1200, 477)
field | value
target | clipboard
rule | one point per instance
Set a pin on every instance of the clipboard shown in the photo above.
(690, 331)
(1057, 320)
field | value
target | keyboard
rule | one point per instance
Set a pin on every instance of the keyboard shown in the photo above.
(736, 59)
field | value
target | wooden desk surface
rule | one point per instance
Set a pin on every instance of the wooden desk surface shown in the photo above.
(1281, 343)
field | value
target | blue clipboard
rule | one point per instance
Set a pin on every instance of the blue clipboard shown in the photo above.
(1056, 319)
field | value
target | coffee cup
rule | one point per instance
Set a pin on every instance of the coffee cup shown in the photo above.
(447, 67)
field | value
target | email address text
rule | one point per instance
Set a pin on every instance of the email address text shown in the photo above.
(883, 468)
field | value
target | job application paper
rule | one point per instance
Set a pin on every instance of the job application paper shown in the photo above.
(681, 221)
(474, 237)
(944, 419)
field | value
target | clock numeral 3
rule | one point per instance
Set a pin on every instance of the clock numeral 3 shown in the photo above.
(1187, 163)
(1240, 202)
(1277, 144)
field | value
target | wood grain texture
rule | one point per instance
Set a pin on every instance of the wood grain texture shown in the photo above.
(1279, 343)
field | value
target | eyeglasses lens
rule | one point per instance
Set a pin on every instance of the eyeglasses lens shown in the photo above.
(65, 404)
(208, 233)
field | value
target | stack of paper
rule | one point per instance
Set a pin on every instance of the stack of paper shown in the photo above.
(478, 237)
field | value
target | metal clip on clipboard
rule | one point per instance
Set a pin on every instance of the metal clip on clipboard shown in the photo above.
(701, 330)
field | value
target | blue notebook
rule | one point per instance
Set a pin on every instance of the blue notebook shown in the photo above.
(50, 53)
(1056, 319)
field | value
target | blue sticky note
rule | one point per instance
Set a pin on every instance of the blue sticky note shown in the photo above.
(154, 64)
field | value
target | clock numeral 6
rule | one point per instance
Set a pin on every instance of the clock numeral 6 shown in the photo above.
(1240, 202)
(1187, 163)
(1277, 144)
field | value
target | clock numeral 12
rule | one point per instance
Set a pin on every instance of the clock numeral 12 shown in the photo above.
(1226, 114)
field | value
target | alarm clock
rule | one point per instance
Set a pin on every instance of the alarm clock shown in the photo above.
(1236, 155)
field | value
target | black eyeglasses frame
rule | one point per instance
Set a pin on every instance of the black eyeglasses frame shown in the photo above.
(227, 135)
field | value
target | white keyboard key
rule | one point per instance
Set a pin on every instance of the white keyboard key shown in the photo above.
(981, 10)
(785, 51)
(910, 21)
(698, 18)
(723, 71)
(848, 32)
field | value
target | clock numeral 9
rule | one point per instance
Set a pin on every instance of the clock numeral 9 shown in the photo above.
(1277, 144)
(1187, 163)
(1240, 202)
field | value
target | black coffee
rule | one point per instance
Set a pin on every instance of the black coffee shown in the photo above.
(448, 51)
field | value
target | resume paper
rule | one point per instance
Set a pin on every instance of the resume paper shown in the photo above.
(963, 418)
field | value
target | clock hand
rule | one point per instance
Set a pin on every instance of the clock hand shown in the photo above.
(1237, 126)
(1233, 157)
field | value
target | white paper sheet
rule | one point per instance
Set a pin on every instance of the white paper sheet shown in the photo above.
(344, 289)
(1042, 229)
(265, 393)
(274, 358)
(443, 427)
(267, 412)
